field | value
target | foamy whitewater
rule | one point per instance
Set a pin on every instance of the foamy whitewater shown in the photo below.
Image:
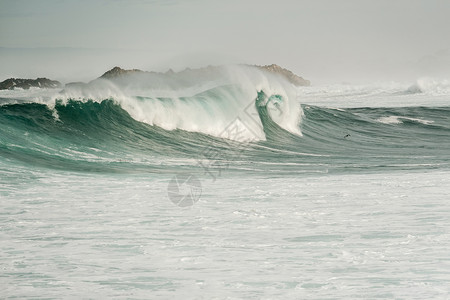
(225, 183)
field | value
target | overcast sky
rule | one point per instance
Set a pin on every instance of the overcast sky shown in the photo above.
(321, 40)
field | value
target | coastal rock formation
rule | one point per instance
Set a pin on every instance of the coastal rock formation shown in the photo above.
(273, 68)
(44, 83)
(291, 77)
(117, 72)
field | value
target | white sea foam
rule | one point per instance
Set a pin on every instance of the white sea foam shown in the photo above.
(423, 92)
(430, 86)
(334, 236)
(398, 120)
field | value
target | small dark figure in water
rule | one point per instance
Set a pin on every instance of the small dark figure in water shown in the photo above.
(347, 135)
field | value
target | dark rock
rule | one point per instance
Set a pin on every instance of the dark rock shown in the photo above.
(291, 77)
(118, 72)
(44, 83)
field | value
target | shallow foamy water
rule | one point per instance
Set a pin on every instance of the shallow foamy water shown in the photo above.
(327, 236)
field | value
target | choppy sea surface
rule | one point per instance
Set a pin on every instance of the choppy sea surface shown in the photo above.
(230, 185)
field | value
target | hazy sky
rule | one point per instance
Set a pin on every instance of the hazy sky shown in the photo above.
(320, 40)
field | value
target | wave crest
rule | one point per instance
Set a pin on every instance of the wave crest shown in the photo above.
(430, 86)
(207, 103)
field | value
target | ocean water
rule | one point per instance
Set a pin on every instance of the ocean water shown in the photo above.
(230, 184)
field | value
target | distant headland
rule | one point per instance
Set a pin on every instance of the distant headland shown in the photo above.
(273, 68)
(117, 72)
(44, 83)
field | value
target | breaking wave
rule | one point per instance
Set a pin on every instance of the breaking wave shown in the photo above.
(237, 117)
(207, 102)
(430, 86)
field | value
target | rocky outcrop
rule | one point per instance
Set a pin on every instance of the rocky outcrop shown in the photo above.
(291, 77)
(44, 83)
(118, 72)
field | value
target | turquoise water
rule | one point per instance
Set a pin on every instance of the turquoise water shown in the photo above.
(102, 137)
(333, 193)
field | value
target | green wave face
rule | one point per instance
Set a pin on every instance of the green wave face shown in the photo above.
(91, 136)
